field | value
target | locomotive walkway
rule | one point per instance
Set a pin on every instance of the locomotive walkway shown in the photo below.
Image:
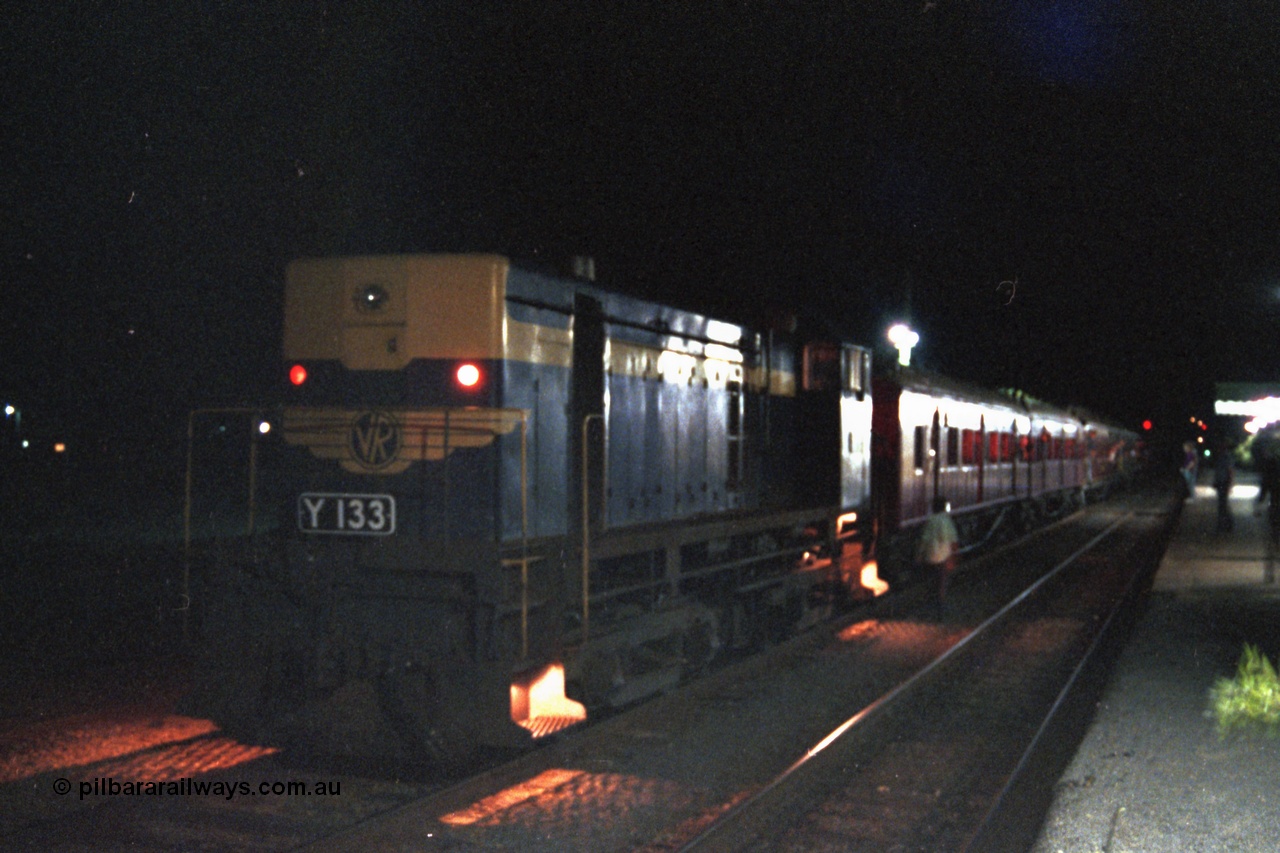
(1152, 774)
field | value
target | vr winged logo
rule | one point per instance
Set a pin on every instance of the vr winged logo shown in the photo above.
(378, 441)
(375, 440)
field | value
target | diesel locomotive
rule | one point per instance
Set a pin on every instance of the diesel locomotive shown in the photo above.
(514, 497)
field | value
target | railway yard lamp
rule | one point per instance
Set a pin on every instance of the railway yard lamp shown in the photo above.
(903, 339)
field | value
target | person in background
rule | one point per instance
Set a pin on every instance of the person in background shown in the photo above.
(1266, 455)
(1224, 477)
(937, 550)
(1264, 460)
(1190, 464)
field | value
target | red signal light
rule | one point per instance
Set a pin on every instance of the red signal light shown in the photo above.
(1146, 425)
(468, 375)
(297, 374)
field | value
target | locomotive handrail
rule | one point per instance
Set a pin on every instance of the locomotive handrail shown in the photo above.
(523, 560)
(743, 562)
(586, 515)
(186, 506)
(707, 571)
(524, 533)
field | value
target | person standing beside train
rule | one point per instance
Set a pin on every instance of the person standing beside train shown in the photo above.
(937, 550)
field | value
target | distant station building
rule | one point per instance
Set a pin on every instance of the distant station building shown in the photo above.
(1256, 404)
(1249, 412)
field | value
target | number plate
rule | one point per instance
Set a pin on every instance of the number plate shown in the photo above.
(360, 515)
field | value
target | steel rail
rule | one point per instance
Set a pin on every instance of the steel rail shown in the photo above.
(734, 829)
(1001, 831)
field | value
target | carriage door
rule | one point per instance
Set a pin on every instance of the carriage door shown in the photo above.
(587, 407)
(980, 456)
(935, 457)
(1013, 459)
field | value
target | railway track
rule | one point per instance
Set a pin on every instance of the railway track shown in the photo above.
(706, 766)
(948, 759)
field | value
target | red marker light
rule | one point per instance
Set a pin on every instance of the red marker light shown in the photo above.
(297, 374)
(1146, 424)
(468, 375)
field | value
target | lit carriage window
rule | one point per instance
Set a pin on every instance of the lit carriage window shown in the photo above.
(920, 448)
(953, 447)
(993, 448)
(969, 447)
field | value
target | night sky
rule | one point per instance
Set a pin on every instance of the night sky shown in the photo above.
(1080, 199)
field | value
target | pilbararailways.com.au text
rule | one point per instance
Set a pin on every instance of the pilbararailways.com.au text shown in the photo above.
(188, 787)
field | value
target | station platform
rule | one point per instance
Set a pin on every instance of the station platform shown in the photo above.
(1152, 774)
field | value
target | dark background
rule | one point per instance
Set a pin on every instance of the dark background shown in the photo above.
(1078, 199)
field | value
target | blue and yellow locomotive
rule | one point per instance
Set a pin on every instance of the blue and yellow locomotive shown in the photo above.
(518, 496)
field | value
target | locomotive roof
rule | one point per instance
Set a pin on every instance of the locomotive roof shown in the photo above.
(642, 317)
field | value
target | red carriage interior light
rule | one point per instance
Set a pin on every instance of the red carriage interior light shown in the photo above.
(297, 374)
(468, 375)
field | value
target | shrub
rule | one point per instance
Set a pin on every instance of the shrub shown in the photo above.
(1250, 701)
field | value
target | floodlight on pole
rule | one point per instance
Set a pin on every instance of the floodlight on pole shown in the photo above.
(903, 338)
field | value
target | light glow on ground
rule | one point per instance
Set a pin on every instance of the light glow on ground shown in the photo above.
(155, 748)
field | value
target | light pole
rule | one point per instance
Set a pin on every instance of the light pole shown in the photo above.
(903, 339)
